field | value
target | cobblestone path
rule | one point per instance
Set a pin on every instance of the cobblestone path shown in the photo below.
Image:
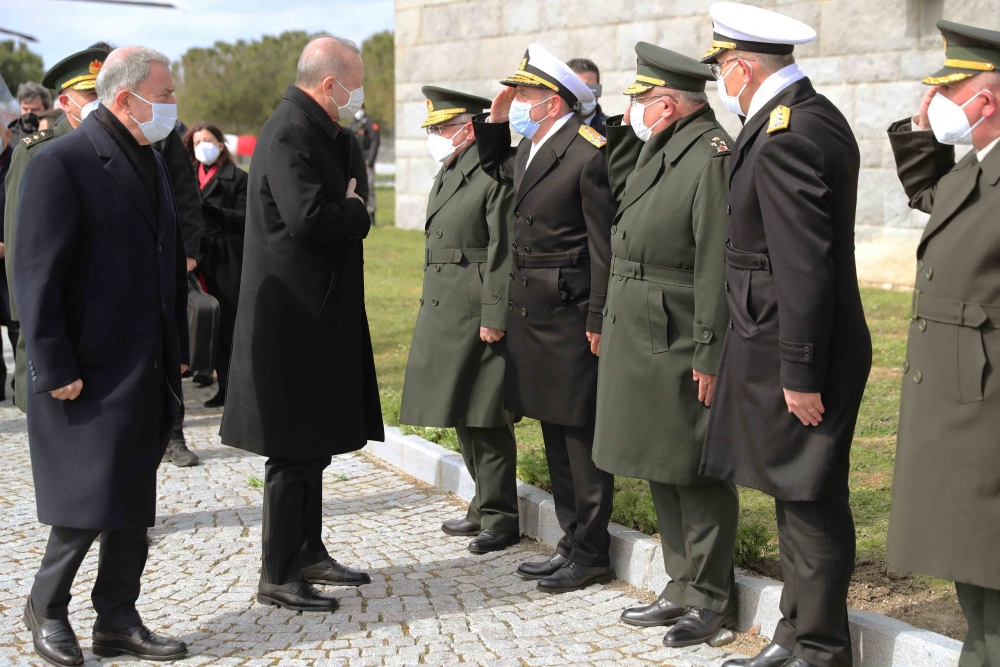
(430, 601)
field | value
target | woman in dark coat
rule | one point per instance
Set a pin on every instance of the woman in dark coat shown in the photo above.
(224, 209)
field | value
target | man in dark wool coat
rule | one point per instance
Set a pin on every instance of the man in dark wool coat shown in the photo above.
(302, 377)
(798, 351)
(100, 284)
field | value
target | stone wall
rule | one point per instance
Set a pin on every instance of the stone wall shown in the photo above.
(868, 59)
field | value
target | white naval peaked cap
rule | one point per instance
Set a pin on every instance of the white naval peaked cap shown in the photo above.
(540, 69)
(749, 28)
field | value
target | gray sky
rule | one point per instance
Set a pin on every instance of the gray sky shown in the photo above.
(64, 27)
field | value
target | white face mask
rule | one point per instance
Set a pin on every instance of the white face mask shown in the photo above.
(637, 119)
(354, 102)
(732, 102)
(442, 148)
(163, 121)
(948, 121)
(207, 153)
(85, 110)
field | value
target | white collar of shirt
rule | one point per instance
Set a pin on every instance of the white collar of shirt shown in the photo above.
(773, 85)
(552, 130)
(981, 155)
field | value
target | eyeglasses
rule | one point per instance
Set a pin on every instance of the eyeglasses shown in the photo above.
(717, 67)
(652, 98)
(436, 129)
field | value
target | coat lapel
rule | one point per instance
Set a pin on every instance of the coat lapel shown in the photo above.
(120, 169)
(453, 181)
(798, 92)
(547, 156)
(643, 180)
(953, 189)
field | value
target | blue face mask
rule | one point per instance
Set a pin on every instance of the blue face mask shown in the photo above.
(520, 118)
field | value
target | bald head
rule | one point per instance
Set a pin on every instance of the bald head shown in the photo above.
(326, 56)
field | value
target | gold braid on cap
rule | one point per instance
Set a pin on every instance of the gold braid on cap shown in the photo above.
(530, 79)
(440, 115)
(83, 82)
(968, 64)
(949, 78)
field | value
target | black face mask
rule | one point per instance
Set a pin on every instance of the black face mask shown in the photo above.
(29, 122)
(596, 89)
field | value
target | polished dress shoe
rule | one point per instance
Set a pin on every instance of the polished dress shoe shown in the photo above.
(772, 656)
(297, 596)
(493, 540)
(137, 641)
(330, 572)
(179, 454)
(217, 401)
(575, 577)
(661, 612)
(460, 528)
(697, 626)
(54, 638)
(797, 662)
(546, 568)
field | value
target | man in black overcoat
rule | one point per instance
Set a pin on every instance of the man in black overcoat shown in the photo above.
(302, 378)
(798, 351)
(100, 279)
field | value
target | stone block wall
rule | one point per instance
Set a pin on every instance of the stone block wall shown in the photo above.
(868, 59)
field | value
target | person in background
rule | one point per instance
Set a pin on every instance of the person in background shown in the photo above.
(47, 120)
(34, 99)
(590, 113)
(366, 131)
(224, 209)
(5, 155)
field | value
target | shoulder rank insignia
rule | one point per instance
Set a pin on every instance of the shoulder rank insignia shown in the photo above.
(38, 136)
(593, 136)
(780, 118)
(720, 146)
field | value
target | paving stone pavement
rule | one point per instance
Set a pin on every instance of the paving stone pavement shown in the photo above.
(430, 601)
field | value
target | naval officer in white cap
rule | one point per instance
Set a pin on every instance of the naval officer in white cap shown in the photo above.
(561, 253)
(798, 351)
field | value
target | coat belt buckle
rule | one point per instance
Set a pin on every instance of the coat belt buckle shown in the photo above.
(915, 305)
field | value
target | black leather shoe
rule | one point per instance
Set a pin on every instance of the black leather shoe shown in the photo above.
(330, 572)
(180, 455)
(297, 596)
(575, 577)
(137, 641)
(797, 662)
(460, 528)
(661, 612)
(546, 568)
(217, 401)
(772, 656)
(54, 638)
(493, 540)
(697, 626)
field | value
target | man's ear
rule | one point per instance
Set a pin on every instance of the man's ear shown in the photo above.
(123, 99)
(990, 108)
(747, 70)
(64, 101)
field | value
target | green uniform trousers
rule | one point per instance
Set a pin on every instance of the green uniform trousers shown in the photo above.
(982, 612)
(698, 534)
(491, 458)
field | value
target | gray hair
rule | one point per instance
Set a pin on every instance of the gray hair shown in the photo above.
(692, 98)
(125, 69)
(324, 56)
(769, 62)
(30, 90)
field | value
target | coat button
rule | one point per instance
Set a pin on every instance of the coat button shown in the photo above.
(922, 324)
(623, 234)
(510, 305)
(438, 233)
(620, 277)
(425, 267)
(160, 249)
(614, 229)
(730, 324)
(524, 312)
(930, 273)
(156, 364)
(806, 357)
(511, 275)
(528, 220)
(524, 281)
(421, 301)
(34, 379)
(805, 348)
(517, 215)
(917, 377)
(495, 294)
(612, 318)
(437, 267)
(604, 312)
(434, 302)
(513, 245)
(705, 334)
(527, 250)
(729, 211)
(920, 265)
(726, 283)
(906, 366)
(427, 234)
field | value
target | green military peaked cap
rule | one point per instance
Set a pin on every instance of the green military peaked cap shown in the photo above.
(657, 66)
(967, 52)
(444, 104)
(78, 71)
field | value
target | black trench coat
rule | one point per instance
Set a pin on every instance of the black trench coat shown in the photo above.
(302, 377)
(100, 283)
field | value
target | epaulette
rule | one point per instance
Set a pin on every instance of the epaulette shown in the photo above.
(38, 137)
(719, 146)
(593, 136)
(780, 118)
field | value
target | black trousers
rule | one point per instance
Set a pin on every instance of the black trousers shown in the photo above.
(982, 611)
(293, 518)
(583, 494)
(119, 570)
(817, 548)
(490, 455)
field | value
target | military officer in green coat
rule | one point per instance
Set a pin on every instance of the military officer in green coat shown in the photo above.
(74, 77)
(945, 518)
(664, 324)
(455, 372)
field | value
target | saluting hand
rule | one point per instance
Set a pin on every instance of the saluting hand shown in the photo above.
(921, 120)
(706, 386)
(595, 342)
(500, 110)
(490, 335)
(69, 392)
(807, 407)
(351, 194)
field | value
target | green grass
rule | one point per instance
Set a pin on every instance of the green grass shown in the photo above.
(394, 260)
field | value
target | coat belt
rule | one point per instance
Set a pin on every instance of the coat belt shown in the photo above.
(651, 273)
(551, 260)
(454, 255)
(947, 311)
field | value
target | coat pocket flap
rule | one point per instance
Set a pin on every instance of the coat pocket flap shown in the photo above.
(703, 334)
(971, 364)
(658, 321)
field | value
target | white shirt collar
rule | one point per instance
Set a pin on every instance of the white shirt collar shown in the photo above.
(552, 130)
(981, 155)
(773, 85)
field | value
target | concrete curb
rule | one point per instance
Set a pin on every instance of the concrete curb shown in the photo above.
(878, 641)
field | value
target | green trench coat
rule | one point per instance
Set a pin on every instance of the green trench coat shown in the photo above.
(945, 518)
(666, 311)
(453, 378)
